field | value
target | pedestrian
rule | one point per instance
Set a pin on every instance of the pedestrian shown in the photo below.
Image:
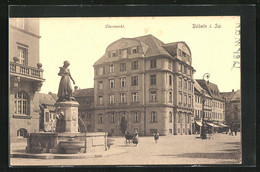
(135, 138)
(156, 136)
(235, 131)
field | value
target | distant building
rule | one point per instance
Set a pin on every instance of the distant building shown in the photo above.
(48, 112)
(26, 77)
(85, 98)
(147, 82)
(233, 108)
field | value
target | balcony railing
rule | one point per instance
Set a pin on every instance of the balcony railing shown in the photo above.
(28, 71)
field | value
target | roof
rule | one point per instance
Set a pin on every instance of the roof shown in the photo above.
(211, 88)
(232, 96)
(151, 46)
(83, 92)
(199, 89)
(55, 96)
(46, 99)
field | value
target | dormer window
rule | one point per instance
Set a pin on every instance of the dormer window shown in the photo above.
(134, 50)
(114, 54)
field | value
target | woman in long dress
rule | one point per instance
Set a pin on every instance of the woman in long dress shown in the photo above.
(65, 88)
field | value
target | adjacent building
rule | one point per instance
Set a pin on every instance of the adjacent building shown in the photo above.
(48, 112)
(217, 103)
(85, 98)
(147, 82)
(233, 108)
(26, 77)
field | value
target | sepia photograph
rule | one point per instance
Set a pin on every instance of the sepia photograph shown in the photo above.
(90, 91)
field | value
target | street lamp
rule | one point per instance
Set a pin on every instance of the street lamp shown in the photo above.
(203, 127)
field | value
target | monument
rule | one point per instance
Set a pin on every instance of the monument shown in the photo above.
(66, 138)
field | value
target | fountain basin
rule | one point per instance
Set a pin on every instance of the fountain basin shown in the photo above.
(71, 147)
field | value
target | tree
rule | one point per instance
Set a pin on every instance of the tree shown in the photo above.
(123, 125)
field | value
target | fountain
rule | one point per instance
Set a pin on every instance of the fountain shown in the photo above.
(66, 139)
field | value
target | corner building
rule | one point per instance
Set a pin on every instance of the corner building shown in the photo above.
(148, 82)
(26, 77)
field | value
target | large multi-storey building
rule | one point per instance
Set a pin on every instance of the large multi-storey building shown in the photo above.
(26, 76)
(147, 82)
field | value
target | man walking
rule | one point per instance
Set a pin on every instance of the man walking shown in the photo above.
(156, 136)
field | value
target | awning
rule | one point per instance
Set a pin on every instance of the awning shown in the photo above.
(199, 123)
(222, 125)
(213, 125)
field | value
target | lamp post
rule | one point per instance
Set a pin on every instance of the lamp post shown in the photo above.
(203, 127)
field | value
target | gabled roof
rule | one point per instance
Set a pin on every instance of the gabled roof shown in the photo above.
(199, 89)
(46, 99)
(211, 88)
(83, 92)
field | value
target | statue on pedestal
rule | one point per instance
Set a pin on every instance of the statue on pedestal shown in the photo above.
(65, 88)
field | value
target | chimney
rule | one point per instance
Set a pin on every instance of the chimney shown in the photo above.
(232, 90)
(50, 92)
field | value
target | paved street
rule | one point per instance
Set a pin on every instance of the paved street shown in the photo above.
(220, 149)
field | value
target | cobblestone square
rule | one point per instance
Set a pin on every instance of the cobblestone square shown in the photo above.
(170, 150)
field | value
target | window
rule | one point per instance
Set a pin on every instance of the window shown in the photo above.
(101, 71)
(134, 80)
(122, 67)
(185, 99)
(21, 133)
(153, 96)
(180, 82)
(153, 79)
(100, 85)
(185, 69)
(169, 64)
(23, 54)
(153, 117)
(235, 107)
(153, 63)
(47, 116)
(21, 103)
(179, 52)
(185, 84)
(114, 53)
(111, 98)
(170, 96)
(112, 118)
(100, 100)
(136, 117)
(112, 83)
(179, 118)
(134, 65)
(134, 50)
(189, 100)
(170, 79)
(123, 82)
(100, 118)
(180, 98)
(179, 67)
(189, 87)
(135, 97)
(170, 130)
(170, 117)
(111, 68)
(195, 99)
(122, 98)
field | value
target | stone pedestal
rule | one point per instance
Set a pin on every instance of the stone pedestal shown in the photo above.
(70, 110)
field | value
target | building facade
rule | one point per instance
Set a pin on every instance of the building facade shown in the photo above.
(148, 83)
(26, 77)
(217, 104)
(85, 98)
(233, 108)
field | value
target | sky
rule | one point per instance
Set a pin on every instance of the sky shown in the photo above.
(83, 41)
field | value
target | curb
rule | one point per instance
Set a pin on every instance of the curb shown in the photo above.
(64, 156)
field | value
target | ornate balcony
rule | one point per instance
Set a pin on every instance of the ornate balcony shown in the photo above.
(27, 72)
